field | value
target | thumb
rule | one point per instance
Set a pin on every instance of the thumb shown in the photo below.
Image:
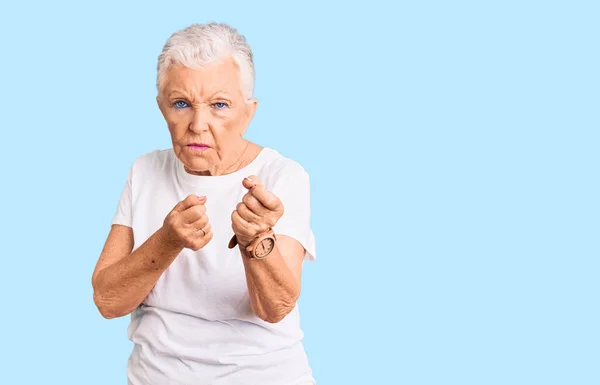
(190, 201)
(251, 181)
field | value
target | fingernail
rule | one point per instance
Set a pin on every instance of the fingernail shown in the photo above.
(250, 180)
(201, 196)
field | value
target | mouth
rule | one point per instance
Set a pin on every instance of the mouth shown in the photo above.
(198, 146)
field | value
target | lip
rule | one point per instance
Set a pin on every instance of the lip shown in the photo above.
(198, 146)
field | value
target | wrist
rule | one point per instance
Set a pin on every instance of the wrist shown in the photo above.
(167, 242)
(260, 246)
(244, 251)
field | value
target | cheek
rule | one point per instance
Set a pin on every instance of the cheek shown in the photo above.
(223, 128)
(177, 125)
(231, 124)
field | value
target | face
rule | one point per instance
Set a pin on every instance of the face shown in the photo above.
(207, 114)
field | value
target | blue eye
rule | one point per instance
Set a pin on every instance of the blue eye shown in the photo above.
(220, 105)
(180, 104)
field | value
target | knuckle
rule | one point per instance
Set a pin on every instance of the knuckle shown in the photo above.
(248, 199)
(204, 221)
(198, 243)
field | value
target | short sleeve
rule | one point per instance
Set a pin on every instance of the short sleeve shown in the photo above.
(123, 216)
(292, 187)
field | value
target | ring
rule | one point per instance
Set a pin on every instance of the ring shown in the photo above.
(203, 232)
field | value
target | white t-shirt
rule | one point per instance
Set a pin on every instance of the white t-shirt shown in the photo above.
(196, 326)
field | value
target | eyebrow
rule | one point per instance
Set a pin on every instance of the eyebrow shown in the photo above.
(176, 91)
(180, 93)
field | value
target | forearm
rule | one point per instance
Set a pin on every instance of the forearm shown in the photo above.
(272, 286)
(122, 286)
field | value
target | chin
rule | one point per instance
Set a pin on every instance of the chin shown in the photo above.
(197, 163)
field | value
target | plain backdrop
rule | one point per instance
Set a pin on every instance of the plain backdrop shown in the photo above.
(453, 155)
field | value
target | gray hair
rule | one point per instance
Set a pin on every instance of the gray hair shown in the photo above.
(202, 44)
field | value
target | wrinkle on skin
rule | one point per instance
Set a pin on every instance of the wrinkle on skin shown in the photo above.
(207, 106)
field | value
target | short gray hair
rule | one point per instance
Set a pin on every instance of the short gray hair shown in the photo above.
(202, 44)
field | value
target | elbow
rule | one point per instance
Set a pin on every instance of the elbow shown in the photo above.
(274, 318)
(107, 310)
(109, 313)
(278, 311)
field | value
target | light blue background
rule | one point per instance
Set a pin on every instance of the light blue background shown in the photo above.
(453, 153)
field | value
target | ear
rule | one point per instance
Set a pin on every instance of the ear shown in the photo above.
(250, 111)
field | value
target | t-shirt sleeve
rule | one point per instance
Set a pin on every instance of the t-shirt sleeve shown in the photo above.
(123, 216)
(292, 187)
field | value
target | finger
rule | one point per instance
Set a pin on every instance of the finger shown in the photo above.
(190, 201)
(238, 224)
(265, 197)
(256, 188)
(204, 231)
(193, 213)
(242, 226)
(246, 213)
(201, 223)
(199, 243)
(251, 181)
(254, 205)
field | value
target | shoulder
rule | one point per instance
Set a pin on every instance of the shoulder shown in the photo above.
(278, 167)
(154, 158)
(152, 161)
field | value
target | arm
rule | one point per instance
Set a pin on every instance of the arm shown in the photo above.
(274, 282)
(122, 279)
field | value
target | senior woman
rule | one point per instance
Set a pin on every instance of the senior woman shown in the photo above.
(209, 238)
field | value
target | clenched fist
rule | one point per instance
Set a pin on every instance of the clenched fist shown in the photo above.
(187, 224)
(258, 211)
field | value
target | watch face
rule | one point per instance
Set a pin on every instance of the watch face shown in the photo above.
(264, 247)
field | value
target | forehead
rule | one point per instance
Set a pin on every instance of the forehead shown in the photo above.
(223, 75)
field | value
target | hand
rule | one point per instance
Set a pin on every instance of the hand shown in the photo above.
(258, 211)
(187, 224)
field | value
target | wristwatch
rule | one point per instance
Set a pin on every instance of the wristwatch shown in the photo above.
(260, 247)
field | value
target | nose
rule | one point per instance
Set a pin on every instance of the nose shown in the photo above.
(200, 121)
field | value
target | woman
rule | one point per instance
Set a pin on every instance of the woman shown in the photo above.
(207, 244)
